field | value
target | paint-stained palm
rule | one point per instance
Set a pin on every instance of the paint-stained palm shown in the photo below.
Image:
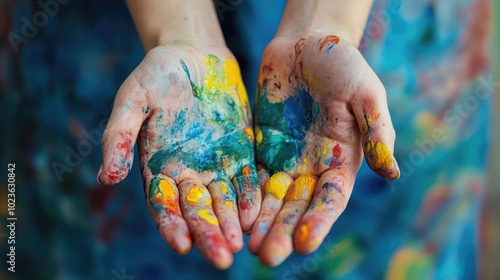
(189, 110)
(319, 107)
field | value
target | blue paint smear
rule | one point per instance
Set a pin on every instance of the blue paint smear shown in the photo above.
(330, 186)
(263, 228)
(298, 112)
(329, 48)
(179, 123)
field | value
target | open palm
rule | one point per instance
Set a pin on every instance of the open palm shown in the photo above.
(319, 106)
(189, 109)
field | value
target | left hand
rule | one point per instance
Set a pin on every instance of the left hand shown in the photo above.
(319, 107)
(188, 107)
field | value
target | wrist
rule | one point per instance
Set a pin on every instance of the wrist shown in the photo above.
(160, 22)
(345, 19)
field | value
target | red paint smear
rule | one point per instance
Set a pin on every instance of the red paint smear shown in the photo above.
(115, 172)
(112, 177)
(298, 46)
(124, 147)
(268, 68)
(328, 40)
(337, 151)
(244, 204)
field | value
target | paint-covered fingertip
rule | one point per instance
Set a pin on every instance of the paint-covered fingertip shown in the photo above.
(249, 209)
(275, 249)
(107, 177)
(224, 260)
(183, 247)
(272, 259)
(236, 246)
(380, 160)
(390, 173)
(306, 240)
(235, 239)
(306, 247)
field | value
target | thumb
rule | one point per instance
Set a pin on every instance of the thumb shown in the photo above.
(129, 112)
(369, 105)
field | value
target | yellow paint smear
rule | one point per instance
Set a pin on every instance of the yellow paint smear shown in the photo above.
(208, 202)
(303, 167)
(226, 78)
(383, 157)
(208, 217)
(234, 78)
(278, 184)
(375, 115)
(229, 204)
(302, 188)
(167, 191)
(223, 187)
(195, 194)
(258, 137)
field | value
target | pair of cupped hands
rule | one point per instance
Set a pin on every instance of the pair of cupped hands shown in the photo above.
(209, 174)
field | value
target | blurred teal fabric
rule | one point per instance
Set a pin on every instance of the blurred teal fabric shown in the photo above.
(57, 92)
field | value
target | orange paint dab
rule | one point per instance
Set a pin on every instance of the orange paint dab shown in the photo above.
(246, 171)
(329, 39)
(248, 131)
(303, 233)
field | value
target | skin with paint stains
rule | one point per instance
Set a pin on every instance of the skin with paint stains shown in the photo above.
(319, 108)
(189, 109)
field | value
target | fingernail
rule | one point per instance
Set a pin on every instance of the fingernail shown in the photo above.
(99, 174)
(395, 164)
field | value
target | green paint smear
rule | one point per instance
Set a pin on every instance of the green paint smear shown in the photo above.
(234, 148)
(283, 126)
(194, 146)
(154, 189)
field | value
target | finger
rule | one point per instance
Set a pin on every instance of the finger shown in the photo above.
(163, 203)
(275, 189)
(278, 244)
(377, 132)
(330, 199)
(249, 196)
(129, 111)
(224, 204)
(196, 206)
(263, 176)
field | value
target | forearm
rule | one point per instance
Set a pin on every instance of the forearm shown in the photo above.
(346, 19)
(161, 21)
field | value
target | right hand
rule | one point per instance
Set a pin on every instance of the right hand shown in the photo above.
(189, 107)
(319, 108)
